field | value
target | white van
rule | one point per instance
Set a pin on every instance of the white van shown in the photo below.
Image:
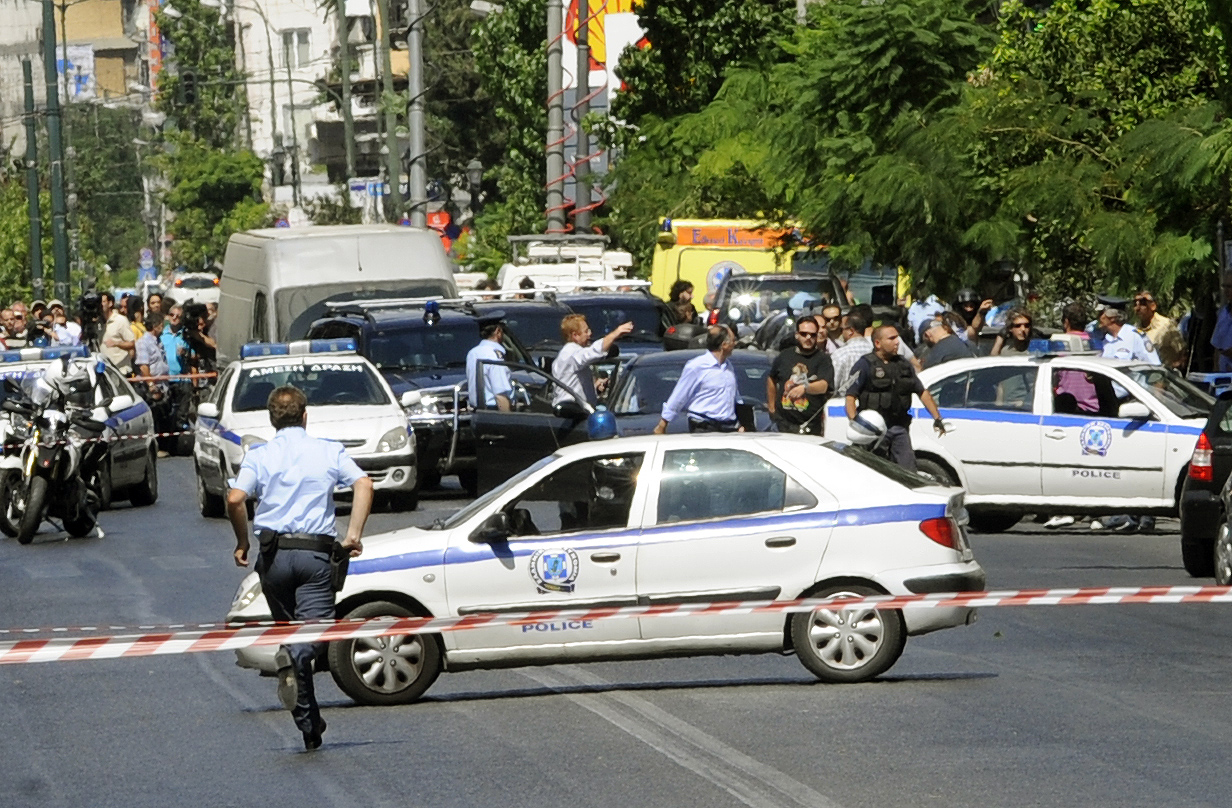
(276, 281)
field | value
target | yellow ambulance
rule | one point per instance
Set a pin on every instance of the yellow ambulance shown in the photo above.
(704, 251)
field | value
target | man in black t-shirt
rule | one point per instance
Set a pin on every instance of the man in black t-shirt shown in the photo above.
(799, 382)
(945, 343)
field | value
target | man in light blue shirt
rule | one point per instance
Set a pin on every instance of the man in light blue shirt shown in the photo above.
(173, 341)
(293, 477)
(706, 391)
(1123, 340)
(497, 380)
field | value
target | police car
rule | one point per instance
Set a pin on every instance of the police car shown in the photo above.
(1055, 434)
(348, 401)
(657, 520)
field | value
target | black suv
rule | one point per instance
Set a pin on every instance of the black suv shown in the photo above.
(417, 350)
(536, 322)
(1202, 513)
(605, 310)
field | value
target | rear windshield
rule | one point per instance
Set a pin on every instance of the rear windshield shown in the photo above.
(299, 306)
(428, 348)
(535, 327)
(882, 466)
(196, 283)
(325, 383)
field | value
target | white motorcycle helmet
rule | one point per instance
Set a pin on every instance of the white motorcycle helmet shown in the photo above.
(866, 428)
(71, 377)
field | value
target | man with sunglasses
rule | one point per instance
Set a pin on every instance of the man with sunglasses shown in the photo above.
(1017, 336)
(831, 321)
(800, 382)
(1160, 330)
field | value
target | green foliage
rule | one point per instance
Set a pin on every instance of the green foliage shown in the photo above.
(200, 39)
(213, 193)
(333, 209)
(108, 182)
(15, 239)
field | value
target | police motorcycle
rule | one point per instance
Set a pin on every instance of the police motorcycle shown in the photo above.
(63, 447)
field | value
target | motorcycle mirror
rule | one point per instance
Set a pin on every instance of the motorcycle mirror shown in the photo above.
(120, 403)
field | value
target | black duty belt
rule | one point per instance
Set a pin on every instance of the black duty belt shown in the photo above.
(317, 542)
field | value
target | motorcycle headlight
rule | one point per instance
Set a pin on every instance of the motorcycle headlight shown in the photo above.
(251, 441)
(245, 595)
(392, 440)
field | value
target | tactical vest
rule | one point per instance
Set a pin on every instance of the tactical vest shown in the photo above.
(889, 390)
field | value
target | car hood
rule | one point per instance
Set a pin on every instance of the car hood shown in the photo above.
(403, 380)
(330, 423)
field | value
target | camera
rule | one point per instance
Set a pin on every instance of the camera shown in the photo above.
(90, 305)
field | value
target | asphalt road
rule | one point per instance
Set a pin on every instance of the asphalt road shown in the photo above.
(1092, 706)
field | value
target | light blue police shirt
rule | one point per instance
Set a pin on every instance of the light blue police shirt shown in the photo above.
(293, 477)
(496, 378)
(707, 389)
(1130, 343)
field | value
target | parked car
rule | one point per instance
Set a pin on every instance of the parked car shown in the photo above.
(658, 520)
(1203, 509)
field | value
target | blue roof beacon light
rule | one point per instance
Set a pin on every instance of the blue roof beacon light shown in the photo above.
(257, 349)
(432, 312)
(601, 424)
(335, 345)
(36, 354)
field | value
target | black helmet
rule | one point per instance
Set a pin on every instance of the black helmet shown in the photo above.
(966, 295)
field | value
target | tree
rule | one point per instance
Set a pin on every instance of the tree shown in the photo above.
(200, 42)
(108, 180)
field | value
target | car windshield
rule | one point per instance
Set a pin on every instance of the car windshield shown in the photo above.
(426, 348)
(753, 299)
(644, 388)
(197, 282)
(1181, 397)
(482, 502)
(882, 466)
(605, 314)
(534, 326)
(325, 383)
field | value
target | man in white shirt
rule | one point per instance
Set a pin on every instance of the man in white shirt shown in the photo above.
(577, 353)
(119, 341)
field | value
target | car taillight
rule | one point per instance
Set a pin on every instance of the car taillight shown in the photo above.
(671, 330)
(713, 317)
(942, 530)
(1201, 465)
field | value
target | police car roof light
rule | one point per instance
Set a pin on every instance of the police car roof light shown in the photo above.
(336, 345)
(71, 351)
(255, 349)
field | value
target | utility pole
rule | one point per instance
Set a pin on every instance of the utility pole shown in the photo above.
(344, 59)
(70, 153)
(59, 234)
(581, 163)
(32, 185)
(295, 199)
(393, 199)
(555, 209)
(418, 179)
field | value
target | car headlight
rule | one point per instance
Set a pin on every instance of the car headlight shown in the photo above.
(250, 442)
(245, 595)
(428, 405)
(392, 440)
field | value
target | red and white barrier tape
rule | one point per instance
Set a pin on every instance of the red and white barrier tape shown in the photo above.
(155, 641)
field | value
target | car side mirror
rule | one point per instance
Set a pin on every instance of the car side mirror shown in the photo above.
(570, 409)
(409, 399)
(1134, 411)
(207, 410)
(120, 403)
(495, 528)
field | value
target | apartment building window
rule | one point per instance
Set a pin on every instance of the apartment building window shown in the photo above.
(296, 47)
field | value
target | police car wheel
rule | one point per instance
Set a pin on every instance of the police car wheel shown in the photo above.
(385, 670)
(146, 491)
(101, 484)
(10, 516)
(211, 506)
(848, 645)
(935, 471)
(1223, 556)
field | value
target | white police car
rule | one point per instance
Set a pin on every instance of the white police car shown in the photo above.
(1052, 434)
(658, 520)
(130, 470)
(348, 401)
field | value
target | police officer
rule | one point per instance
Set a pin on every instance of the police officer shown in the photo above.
(884, 382)
(1124, 341)
(497, 380)
(706, 391)
(293, 477)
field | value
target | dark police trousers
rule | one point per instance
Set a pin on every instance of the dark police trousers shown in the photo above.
(297, 587)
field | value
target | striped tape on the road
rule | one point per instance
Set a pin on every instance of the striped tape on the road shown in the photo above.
(156, 641)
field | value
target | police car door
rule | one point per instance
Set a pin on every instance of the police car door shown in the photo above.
(728, 523)
(992, 428)
(572, 543)
(507, 442)
(127, 453)
(1102, 447)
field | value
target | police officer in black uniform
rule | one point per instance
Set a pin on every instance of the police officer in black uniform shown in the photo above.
(884, 382)
(301, 563)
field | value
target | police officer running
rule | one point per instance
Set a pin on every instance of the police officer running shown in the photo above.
(497, 380)
(293, 477)
(884, 382)
(706, 391)
(1124, 341)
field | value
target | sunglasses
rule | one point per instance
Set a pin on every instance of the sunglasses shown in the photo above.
(833, 319)
(1143, 301)
(811, 334)
(1020, 325)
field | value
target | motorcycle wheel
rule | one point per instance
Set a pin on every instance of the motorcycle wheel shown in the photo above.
(9, 515)
(32, 516)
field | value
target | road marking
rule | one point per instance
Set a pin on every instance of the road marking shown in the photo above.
(748, 780)
(172, 563)
(55, 569)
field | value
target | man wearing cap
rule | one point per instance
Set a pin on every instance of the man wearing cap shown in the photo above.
(1123, 340)
(497, 380)
(66, 331)
(119, 341)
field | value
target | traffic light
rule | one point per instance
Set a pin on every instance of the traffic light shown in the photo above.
(188, 87)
